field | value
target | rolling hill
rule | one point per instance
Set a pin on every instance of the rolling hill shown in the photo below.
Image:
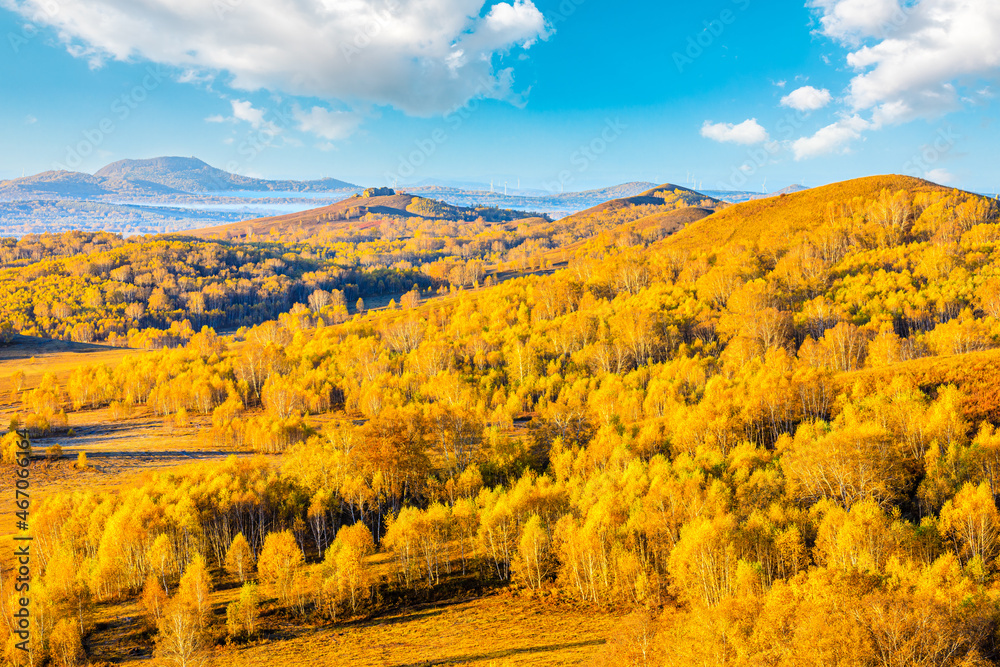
(194, 175)
(600, 195)
(772, 221)
(153, 177)
(666, 196)
(654, 213)
(740, 411)
(55, 184)
(558, 204)
(352, 212)
(645, 229)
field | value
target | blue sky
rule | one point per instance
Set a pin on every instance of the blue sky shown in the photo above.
(556, 94)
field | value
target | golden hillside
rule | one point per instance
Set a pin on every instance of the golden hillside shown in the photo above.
(785, 416)
(359, 212)
(773, 221)
(644, 218)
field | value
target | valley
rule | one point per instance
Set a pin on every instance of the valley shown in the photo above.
(391, 430)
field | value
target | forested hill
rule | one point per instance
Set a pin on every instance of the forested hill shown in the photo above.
(666, 196)
(771, 436)
(627, 221)
(364, 212)
(772, 222)
(189, 174)
(155, 177)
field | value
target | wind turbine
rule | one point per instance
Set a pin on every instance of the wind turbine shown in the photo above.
(763, 186)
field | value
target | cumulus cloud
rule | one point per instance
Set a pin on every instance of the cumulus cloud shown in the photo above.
(325, 123)
(807, 98)
(834, 138)
(941, 176)
(245, 111)
(422, 57)
(747, 132)
(912, 60)
(851, 21)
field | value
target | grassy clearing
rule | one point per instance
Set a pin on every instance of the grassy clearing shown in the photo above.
(497, 630)
(509, 627)
(38, 356)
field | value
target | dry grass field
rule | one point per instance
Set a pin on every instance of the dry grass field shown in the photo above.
(492, 630)
(38, 356)
(505, 628)
(501, 629)
(119, 452)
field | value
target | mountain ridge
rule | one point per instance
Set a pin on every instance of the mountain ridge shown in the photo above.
(354, 211)
(155, 177)
(772, 221)
(194, 175)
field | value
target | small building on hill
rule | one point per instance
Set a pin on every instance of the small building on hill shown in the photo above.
(378, 192)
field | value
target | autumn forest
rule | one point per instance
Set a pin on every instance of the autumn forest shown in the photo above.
(753, 434)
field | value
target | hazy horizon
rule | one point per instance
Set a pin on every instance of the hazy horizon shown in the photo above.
(562, 94)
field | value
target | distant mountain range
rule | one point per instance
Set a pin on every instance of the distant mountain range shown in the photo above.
(354, 213)
(155, 177)
(737, 196)
(172, 193)
(189, 174)
(557, 203)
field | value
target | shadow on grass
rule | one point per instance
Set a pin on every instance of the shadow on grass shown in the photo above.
(505, 653)
(24, 347)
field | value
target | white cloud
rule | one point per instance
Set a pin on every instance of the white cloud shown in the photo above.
(942, 176)
(830, 139)
(747, 132)
(519, 24)
(807, 98)
(245, 111)
(853, 20)
(30, 120)
(326, 123)
(915, 58)
(423, 57)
